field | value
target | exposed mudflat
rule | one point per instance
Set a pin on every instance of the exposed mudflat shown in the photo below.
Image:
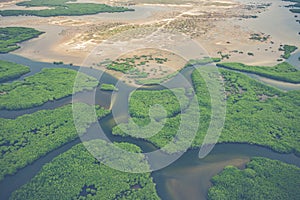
(218, 26)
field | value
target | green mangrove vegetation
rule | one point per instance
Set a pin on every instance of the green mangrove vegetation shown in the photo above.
(159, 133)
(121, 67)
(144, 69)
(47, 85)
(129, 65)
(282, 72)
(29, 137)
(275, 114)
(9, 70)
(204, 104)
(62, 8)
(142, 100)
(11, 36)
(164, 125)
(287, 49)
(259, 37)
(262, 178)
(256, 114)
(76, 174)
(108, 87)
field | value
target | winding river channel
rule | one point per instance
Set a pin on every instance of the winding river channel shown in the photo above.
(187, 178)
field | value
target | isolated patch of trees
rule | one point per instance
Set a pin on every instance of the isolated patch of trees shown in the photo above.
(287, 50)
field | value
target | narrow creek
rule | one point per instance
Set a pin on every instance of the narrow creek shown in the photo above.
(187, 178)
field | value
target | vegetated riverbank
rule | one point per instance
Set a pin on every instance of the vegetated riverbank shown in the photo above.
(156, 117)
(108, 87)
(62, 8)
(103, 98)
(271, 110)
(47, 85)
(190, 177)
(261, 179)
(11, 36)
(287, 50)
(11, 71)
(281, 72)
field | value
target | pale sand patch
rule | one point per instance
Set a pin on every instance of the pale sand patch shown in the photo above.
(69, 22)
(212, 23)
(15, 7)
(68, 38)
(226, 37)
(154, 70)
(6, 4)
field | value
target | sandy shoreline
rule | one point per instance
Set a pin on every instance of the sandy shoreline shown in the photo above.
(219, 26)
